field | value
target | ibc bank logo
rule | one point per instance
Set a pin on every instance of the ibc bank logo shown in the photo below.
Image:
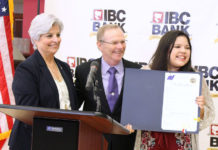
(167, 21)
(108, 16)
(214, 129)
(75, 61)
(214, 134)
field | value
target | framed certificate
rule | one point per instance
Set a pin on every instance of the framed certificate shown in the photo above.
(161, 101)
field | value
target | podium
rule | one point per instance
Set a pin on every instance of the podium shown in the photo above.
(65, 129)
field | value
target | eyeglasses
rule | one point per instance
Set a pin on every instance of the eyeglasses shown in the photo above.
(115, 42)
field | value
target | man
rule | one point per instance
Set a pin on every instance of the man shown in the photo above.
(111, 42)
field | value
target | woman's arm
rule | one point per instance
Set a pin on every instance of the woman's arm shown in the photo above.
(207, 111)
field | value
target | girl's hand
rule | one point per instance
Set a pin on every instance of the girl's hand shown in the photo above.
(129, 127)
(200, 101)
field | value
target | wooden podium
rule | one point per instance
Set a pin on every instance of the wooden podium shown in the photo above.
(65, 129)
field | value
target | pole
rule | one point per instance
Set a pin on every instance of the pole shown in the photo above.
(38, 7)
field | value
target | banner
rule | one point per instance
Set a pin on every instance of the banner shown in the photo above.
(144, 23)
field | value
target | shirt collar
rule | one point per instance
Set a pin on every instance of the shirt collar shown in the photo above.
(105, 66)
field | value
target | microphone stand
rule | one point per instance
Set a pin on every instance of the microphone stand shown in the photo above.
(96, 97)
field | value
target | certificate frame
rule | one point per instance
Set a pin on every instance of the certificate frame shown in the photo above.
(143, 100)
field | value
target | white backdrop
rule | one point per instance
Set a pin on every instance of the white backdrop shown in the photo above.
(144, 22)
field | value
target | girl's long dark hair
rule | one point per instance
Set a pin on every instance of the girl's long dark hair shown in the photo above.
(161, 57)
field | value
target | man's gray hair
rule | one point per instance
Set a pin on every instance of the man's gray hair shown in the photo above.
(101, 31)
(41, 24)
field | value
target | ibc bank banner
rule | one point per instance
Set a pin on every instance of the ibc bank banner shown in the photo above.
(166, 21)
(144, 23)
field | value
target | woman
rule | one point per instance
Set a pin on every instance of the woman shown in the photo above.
(42, 80)
(174, 54)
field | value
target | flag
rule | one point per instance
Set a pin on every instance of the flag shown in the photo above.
(6, 67)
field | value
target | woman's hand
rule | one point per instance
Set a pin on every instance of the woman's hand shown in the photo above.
(129, 127)
(201, 102)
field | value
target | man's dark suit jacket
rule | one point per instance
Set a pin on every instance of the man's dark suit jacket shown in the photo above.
(33, 85)
(116, 142)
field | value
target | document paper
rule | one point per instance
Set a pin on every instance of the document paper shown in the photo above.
(180, 111)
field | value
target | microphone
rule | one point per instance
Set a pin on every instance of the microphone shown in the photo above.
(91, 76)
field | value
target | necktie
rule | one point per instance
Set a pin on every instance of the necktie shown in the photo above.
(112, 88)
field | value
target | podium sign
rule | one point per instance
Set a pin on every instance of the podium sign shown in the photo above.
(55, 134)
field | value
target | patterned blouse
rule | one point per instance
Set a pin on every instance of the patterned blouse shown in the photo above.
(150, 140)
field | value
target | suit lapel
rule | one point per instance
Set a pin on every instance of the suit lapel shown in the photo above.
(46, 73)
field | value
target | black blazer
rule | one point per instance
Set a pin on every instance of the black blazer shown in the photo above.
(33, 85)
(116, 142)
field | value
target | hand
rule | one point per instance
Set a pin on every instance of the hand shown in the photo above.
(200, 101)
(129, 127)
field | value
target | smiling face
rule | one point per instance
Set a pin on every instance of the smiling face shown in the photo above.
(112, 46)
(49, 43)
(180, 54)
